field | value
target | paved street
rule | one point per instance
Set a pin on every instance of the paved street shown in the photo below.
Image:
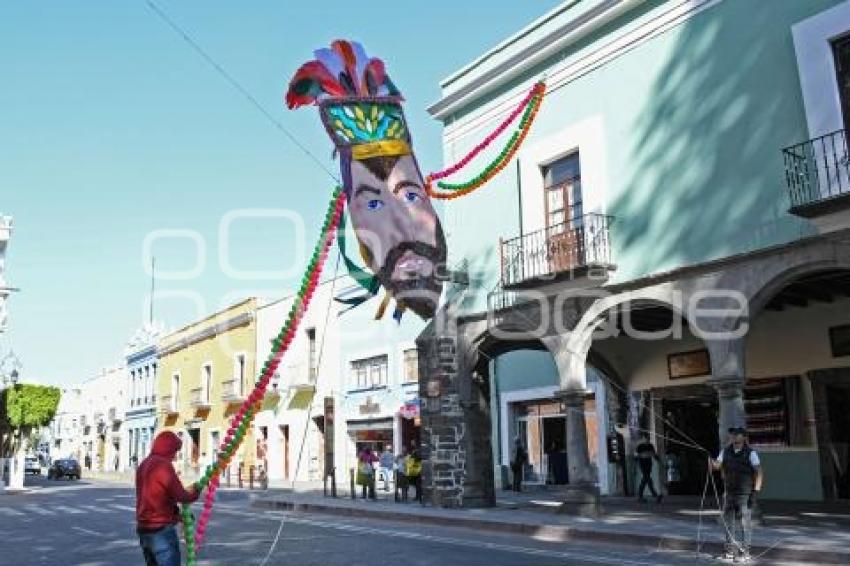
(91, 523)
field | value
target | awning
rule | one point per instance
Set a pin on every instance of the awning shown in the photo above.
(371, 424)
(301, 399)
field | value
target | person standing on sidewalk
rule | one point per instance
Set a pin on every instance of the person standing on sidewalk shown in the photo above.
(414, 475)
(366, 472)
(401, 475)
(158, 491)
(518, 463)
(644, 454)
(742, 478)
(386, 466)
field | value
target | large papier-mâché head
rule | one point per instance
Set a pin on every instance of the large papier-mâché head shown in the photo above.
(399, 233)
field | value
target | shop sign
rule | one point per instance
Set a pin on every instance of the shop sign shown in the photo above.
(370, 407)
(410, 410)
(689, 364)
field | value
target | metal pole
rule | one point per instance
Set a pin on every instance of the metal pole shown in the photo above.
(519, 195)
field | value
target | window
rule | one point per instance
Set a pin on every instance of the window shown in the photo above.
(132, 388)
(562, 182)
(206, 385)
(240, 373)
(411, 365)
(175, 391)
(841, 55)
(369, 373)
(143, 390)
(311, 360)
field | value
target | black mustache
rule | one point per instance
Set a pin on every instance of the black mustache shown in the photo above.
(434, 254)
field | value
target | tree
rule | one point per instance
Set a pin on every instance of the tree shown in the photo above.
(23, 409)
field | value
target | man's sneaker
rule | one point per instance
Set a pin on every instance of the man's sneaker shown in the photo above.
(659, 498)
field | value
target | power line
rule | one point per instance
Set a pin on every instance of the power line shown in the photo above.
(236, 85)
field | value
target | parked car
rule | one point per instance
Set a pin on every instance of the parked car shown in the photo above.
(32, 465)
(64, 468)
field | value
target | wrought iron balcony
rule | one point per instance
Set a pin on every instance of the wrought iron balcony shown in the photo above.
(199, 398)
(232, 391)
(564, 251)
(817, 173)
(168, 405)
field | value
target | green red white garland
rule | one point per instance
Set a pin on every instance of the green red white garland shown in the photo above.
(194, 534)
(529, 107)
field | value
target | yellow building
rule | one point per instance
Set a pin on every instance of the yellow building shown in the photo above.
(206, 370)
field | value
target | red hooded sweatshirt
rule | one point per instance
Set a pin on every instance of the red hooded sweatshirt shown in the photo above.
(158, 489)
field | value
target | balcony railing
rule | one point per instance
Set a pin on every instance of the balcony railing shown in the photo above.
(232, 391)
(817, 173)
(199, 398)
(168, 405)
(562, 251)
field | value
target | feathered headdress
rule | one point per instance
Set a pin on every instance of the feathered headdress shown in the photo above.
(359, 104)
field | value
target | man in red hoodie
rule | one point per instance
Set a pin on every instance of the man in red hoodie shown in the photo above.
(158, 491)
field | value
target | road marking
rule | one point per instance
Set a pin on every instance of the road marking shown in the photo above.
(95, 508)
(88, 531)
(71, 510)
(122, 507)
(279, 516)
(11, 512)
(38, 510)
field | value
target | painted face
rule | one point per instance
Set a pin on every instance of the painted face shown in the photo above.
(401, 235)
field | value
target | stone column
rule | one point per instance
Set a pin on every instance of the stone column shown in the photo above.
(730, 392)
(578, 459)
(728, 378)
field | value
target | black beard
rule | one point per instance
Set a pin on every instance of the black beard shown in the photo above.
(420, 294)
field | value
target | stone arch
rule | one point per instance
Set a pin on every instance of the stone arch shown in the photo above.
(574, 348)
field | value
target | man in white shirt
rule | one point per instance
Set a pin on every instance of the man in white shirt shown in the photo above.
(742, 477)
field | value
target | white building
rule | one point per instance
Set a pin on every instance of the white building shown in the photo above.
(102, 420)
(140, 408)
(66, 430)
(290, 431)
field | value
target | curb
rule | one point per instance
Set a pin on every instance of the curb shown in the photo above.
(557, 533)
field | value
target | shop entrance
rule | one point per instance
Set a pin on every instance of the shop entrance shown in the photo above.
(541, 425)
(838, 399)
(688, 421)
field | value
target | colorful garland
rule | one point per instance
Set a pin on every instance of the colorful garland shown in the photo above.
(532, 106)
(537, 89)
(193, 534)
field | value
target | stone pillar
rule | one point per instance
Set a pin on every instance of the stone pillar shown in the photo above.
(728, 378)
(731, 395)
(456, 434)
(578, 459)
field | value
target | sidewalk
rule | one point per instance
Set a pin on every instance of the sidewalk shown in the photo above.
(812, 536)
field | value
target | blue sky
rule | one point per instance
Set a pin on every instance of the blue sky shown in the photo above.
(111, 127)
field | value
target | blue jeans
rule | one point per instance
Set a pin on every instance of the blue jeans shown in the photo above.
(161, 548)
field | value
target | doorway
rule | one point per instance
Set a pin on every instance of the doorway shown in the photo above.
(284, 441)
(195, 438)
(687, 422)
(555, 448)
(838, 399)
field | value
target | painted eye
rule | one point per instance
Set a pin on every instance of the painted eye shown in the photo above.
(412, 197)
(375, 204)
